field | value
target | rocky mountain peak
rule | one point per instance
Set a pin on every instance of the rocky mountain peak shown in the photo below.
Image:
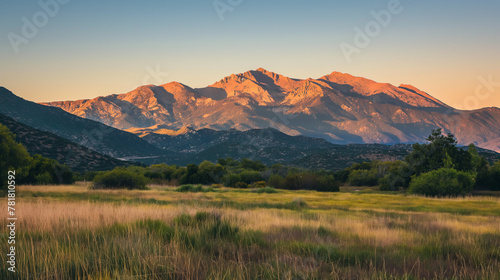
(339, 107)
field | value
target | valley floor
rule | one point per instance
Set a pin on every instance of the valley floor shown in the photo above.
(71, 232)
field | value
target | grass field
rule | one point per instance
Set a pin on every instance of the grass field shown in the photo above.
(71, 232)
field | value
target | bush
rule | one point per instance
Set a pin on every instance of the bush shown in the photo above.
(120, 179)
(310, 181)
(363, 178)
(241, 185)
(250, 177)
(252, 165)
(328, 183)
(392, 182)
(276, 181)
(191, 188)
(489, 178)
(265, 190)
(230, 180)
(44, 171)
(296, 204)
(442, 182)
(259, 184)
(399, 177)
(44, 179)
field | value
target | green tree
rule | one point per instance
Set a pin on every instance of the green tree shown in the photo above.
(276, 181)
(489, 178)
(363, 178)
(13, 156)
(440, 151)
(398, 177)
(44, 171)
(191, 176)
(209, 173)
(252, 165)
(495, 177)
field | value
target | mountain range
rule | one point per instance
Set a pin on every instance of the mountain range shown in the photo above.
(339, 108)
(89, 145)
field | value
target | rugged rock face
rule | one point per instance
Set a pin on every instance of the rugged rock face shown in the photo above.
(338, 107)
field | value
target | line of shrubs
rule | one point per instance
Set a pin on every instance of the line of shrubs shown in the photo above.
(228, 172)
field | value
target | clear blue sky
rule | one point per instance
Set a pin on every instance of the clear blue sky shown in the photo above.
(91, 48)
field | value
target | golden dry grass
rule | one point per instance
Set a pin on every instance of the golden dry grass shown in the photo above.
(335, 236)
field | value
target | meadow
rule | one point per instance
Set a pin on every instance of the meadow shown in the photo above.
(72, 232)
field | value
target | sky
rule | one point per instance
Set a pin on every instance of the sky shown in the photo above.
(53, 50)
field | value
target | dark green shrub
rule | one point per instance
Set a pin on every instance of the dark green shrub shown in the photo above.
(89, 176)
(399, 177)
(260, 184)
(276, 181)
(442, 182)
(44, 179)
(489, 178)
(252, 165)
(363, 178)
(44, 171)
(310, 181)
(198, 188)
(230, 180)
(191, 176)
(185, 188)
(392, 182)
(241, 185)
(265, 190)
(495, 177)
(120, 179)
(296, 204)
(250, 177)
(191, 188)
(327, 183)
